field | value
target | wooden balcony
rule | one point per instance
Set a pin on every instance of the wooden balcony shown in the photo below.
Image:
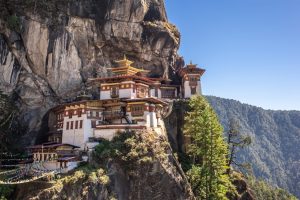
(113, 114)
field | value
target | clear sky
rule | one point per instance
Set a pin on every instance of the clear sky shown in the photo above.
(250, 48)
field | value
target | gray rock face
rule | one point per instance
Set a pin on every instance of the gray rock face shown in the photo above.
(50, 49)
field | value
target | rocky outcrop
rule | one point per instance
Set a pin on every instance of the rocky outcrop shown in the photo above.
(48, 49)
(144, 168)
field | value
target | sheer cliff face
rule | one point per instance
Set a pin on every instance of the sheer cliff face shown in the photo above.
(48, 49)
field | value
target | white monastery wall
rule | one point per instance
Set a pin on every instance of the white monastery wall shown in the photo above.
(107, 134)
(51, 165)
(88, 131)
(105, 94)
(77, 136)
(187, 89)
(199, 88)
(153, 119)
(126, 93)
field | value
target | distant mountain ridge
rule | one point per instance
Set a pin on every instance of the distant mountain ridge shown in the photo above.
(275, 150)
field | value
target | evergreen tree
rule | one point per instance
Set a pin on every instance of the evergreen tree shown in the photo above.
(207, 150)
(236, 141)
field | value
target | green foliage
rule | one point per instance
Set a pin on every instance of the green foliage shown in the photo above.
(130, 149)
(236, 141)
(99, 177)
(7, 121)
(85, 173)
(263, 191)
(5, 191)
(185, 161)
(207, 150)
(13, 22)
(274, 151)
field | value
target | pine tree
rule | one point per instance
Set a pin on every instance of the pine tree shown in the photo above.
(236, 141)
(207, 150)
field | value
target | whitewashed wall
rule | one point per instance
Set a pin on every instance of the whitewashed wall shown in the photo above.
(105, 94)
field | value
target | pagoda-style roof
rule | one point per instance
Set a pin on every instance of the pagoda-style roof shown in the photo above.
(125, 68)
(191, 69)
(116, 79)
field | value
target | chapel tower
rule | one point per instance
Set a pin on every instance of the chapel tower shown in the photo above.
(191, 80)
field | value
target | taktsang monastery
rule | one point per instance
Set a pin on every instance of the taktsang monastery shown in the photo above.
(128, 100)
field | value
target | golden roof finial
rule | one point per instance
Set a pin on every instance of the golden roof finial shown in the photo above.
(191, 65)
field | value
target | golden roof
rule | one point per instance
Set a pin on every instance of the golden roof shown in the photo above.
(125, 68)
(191, 65)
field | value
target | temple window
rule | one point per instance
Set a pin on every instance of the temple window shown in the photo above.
(168, 93)
(114, 92)
(72, 125)
(93, 124)
(142, 92)
(68, 125)
(193, 90)
(76, 124)
(80, 124)
(137, 110)
(70, 114)
(79, 113)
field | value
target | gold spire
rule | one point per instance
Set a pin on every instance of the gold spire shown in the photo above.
(191, 65)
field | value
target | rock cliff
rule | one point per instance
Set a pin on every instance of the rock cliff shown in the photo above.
(143, 168)
(48, 49)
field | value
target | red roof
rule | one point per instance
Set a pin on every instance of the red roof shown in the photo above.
(191, 70)
(134, 77)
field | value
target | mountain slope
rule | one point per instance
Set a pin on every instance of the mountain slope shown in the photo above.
(274, 152)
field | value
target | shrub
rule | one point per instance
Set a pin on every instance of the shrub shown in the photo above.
(5, 191)
(13, 22)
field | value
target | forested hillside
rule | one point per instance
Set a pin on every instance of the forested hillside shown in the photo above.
(274, 152)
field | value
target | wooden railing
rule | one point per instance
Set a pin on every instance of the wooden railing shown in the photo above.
(113, 114)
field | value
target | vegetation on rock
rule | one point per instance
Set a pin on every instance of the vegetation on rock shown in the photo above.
(263, 191)
(6, 191)
(130, 149)
(8, 130)
(13, 22)
(236, 141)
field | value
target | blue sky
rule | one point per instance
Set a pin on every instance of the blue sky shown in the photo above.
(250, 48)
